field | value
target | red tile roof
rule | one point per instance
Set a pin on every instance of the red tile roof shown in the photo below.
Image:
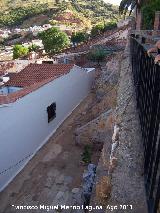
(33, 77)
(35, 73)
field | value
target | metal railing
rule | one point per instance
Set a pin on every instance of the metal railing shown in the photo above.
(146, 75)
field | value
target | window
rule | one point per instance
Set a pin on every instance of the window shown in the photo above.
(51, 110)
(47, 62)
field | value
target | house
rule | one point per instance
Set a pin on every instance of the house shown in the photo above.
(34, 103)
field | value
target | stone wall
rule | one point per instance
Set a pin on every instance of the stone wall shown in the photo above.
(119, 175)
(126, 159)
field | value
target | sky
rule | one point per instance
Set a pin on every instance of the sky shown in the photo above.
(115, 2)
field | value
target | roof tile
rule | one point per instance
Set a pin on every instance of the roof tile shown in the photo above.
(33, 77)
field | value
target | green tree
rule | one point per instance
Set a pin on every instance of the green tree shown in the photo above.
(110, 25)
(97, 55)
(78, 37)
(148, 12)
(97, 29)
(54, 40)
(33, 47)
(19, 51)
(125, 4)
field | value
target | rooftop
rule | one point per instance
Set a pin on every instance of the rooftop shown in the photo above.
(32, 77)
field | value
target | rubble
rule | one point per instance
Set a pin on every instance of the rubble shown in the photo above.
(88, 181)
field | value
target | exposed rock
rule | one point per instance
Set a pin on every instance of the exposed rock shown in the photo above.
(100, 94)
(68, 180)
(95, 131)
(59, 195)
(113, 164)
(52, 154)
(60, 179)
(75, 190)
(103, 189)
(65, 155)
(53, 173)
(49, 182)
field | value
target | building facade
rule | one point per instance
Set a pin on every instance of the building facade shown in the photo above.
(28, 122)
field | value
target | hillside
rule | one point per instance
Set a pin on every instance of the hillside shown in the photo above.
(16, 12)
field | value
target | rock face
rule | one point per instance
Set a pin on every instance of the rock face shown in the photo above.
(103, 189)
(94, 131)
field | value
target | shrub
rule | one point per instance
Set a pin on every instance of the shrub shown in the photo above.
(97, 29)
(86, 155)
(97, 55)
(33, 47)
(78, 37)
(110, 25)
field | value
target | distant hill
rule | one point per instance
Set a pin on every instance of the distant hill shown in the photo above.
(17, 12)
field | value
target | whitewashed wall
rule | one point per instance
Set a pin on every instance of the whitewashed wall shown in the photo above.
(24, 124)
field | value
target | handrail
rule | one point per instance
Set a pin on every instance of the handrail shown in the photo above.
(146, 75)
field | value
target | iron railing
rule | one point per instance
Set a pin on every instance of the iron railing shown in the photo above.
(146, 75)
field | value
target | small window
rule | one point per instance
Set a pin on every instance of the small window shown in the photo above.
(47, 62)
(51, 110)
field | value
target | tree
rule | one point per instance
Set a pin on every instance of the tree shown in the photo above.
(148, 8)
(148, 12)
(110, 25)
(97, 29)
(33, 48)
(125, 4)
(78, 37)
(54, 40)
(97, 55)
(19, 51)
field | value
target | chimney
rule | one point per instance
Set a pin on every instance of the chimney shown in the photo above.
(157, 21)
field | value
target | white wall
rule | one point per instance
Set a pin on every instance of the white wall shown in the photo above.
(24, 124)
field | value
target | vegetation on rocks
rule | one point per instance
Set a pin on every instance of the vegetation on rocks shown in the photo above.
(86, 155)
